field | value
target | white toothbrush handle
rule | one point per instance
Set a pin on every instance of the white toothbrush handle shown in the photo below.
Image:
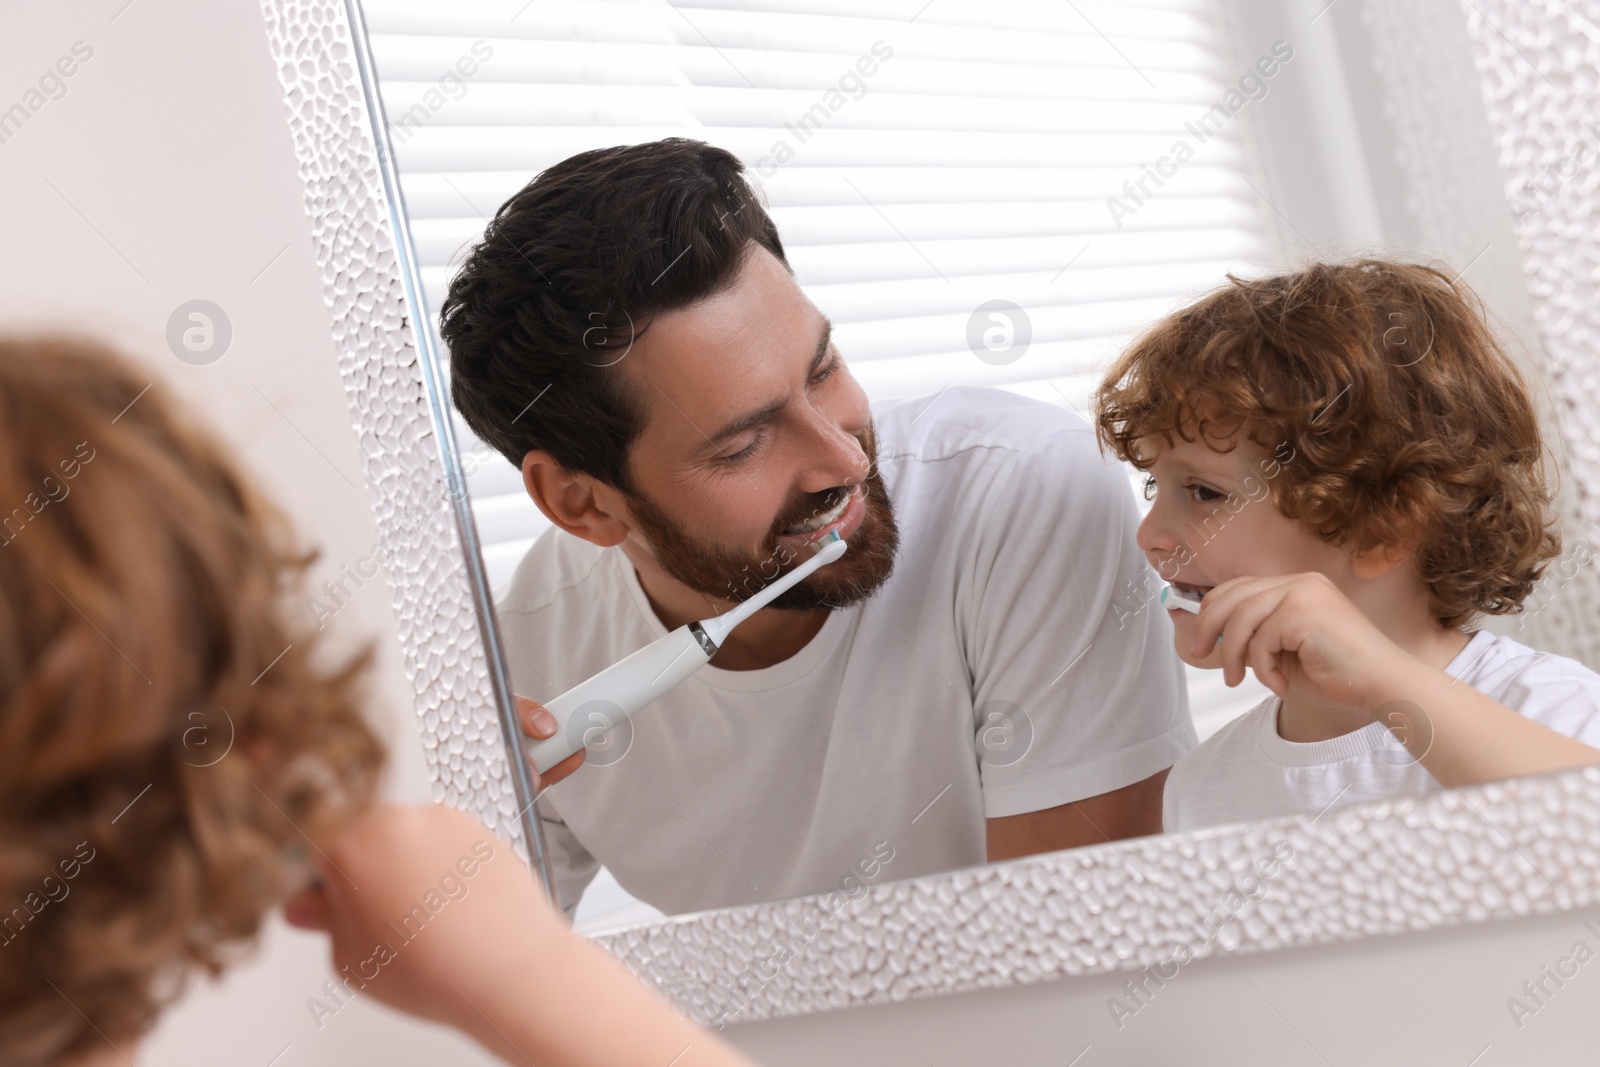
(590, 708)
(1171, 598)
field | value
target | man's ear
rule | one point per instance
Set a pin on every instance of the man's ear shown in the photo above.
(570, 500)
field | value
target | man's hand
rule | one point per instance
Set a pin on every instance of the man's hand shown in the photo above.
(1304, 639)
(537, 722)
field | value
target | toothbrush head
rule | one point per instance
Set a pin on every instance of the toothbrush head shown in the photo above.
(826, 545)
(824, 551)
(1171, 598)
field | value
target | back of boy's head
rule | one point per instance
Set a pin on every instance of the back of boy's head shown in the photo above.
(1410, 426)
(165, 734)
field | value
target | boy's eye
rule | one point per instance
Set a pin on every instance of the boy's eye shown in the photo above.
(1203, 495)
(1149, 486)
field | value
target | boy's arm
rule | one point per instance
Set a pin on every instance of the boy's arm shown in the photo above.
(1307, 642)
(1463, 737)
(430, 913)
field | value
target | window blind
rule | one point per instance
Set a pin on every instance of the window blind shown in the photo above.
(920, 157)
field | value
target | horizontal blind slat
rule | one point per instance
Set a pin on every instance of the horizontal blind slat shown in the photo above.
(410, 60)
(436, 148)
(491, 108)
(452, 194)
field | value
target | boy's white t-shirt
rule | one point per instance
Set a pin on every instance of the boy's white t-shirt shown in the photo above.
(1246, 771)
(1011, 590)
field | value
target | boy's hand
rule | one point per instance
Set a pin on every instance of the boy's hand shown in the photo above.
(419, 918)
(1302, 636)
(422, 921)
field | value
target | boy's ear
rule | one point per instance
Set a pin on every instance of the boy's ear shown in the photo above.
(577, 503)
(1377, 561)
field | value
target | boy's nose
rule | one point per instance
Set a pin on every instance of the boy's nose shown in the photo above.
(1155, 537)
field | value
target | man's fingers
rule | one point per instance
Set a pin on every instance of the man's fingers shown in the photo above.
(560, 770)
(538, 722)
(536, 719)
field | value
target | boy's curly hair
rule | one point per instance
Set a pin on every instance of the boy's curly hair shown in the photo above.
(1411, 426)
(166, 733)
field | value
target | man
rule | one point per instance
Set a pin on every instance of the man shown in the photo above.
(966, 683)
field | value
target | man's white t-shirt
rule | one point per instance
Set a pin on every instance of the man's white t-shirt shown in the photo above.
(1246, 771)
(997, 628)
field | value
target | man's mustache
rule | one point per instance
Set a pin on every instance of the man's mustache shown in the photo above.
(814, 504)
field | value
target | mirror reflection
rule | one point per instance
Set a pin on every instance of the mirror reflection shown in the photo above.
(1162, 508)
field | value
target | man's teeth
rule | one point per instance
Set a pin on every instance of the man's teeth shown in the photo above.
(1193, 590)
(812, 525)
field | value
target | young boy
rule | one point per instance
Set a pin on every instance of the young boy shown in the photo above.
(1346, 467)
(157, 784)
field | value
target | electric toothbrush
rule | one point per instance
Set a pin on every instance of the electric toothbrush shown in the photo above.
(632, 683)
(1171, 598)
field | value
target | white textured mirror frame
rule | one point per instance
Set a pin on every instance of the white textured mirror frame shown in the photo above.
(1496, 852)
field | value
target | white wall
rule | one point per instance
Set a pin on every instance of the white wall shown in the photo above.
(1435, 998)
(165, 174)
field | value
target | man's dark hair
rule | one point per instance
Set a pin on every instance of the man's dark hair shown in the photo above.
(567, 276)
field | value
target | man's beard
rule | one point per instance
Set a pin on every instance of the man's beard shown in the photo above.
(731, 574)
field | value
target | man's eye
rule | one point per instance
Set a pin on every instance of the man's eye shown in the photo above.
(743, 453)
(826, 372)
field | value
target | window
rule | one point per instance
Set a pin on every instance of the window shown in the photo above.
(921, 159)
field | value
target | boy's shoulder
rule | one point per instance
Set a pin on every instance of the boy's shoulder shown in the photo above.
(1555, 690)
(1490, 659)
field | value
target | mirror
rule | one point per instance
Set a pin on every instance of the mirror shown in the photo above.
(979, 207)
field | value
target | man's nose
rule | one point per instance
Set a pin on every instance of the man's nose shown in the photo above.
(836, 456)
